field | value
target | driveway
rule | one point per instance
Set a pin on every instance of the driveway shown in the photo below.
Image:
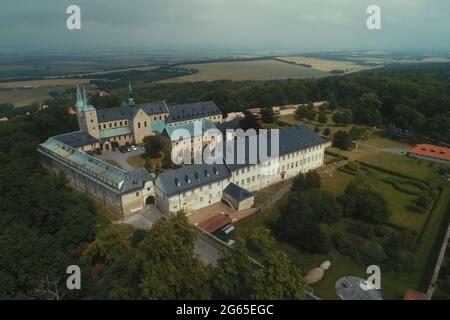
(120, 158)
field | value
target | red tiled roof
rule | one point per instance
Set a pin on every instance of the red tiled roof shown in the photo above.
(215, 223)
(428, 150)
(414, 295)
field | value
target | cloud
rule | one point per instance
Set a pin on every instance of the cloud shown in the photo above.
(302, 24)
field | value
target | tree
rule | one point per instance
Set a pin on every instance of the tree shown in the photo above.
(302, 182)
(232, 279)
(310, 115)
(249, 121)
(153, 146)
(342, 140)
(170, 269)
(280, 280)
(322, 118)
(267, 115)
(367, 110)
(301, 112)
(361, 201)
(326, 132)
(407, 118)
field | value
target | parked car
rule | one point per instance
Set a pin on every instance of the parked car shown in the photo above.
(134, 148)
(123, 149)
(129, 149)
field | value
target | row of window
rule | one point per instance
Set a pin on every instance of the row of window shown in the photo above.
(114, 124)
(214, 118)
(120, 138)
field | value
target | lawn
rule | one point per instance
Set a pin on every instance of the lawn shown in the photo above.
(139, 161)
(394, 284)
(136, 161)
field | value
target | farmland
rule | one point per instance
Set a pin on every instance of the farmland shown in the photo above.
(266, 69)
(325, 65)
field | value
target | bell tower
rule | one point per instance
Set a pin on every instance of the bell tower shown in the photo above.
(86, 114)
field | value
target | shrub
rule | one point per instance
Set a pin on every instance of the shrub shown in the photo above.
(361, 230)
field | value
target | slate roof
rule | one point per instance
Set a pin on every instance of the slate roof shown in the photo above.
(237, 192)
(190, 177)
(150, 108)
(128, 112)
(113, 114)
(190, 111)
(76, 139)
(229, 125)
(291, 139)
(135, 179)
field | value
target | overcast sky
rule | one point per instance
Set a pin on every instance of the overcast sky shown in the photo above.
(260, 24)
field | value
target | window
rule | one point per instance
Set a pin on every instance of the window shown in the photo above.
(115, 124)
(92, 120)
(145, 124)
(139, 125)
(110, 125)
(104, 126)
(137, 194)
(120, 123)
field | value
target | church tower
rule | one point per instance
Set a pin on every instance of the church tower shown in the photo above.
(86, 114)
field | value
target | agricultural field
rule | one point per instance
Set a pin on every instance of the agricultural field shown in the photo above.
(267, 69)
(325, 65)
(384, 173)
(21, 97)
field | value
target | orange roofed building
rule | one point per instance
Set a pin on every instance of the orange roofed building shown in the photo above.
(430, 152)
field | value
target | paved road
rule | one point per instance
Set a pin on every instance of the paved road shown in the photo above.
(119, 157)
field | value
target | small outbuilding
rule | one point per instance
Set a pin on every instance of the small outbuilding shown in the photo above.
(237, 197)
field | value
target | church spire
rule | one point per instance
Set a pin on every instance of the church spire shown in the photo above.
(80, 99)
(130, 95)
(85, 99)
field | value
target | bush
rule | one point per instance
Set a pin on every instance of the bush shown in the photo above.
(361, 230)
(371, 253)
(344, 244)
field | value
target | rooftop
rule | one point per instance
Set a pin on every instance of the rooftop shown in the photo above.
(114, 132)
(215, 223)
(123, 181)
(428, 150)
(191, 177)
(191, 111)
(76, 139)
(290, 139)
(237, 192)
(190, 128)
